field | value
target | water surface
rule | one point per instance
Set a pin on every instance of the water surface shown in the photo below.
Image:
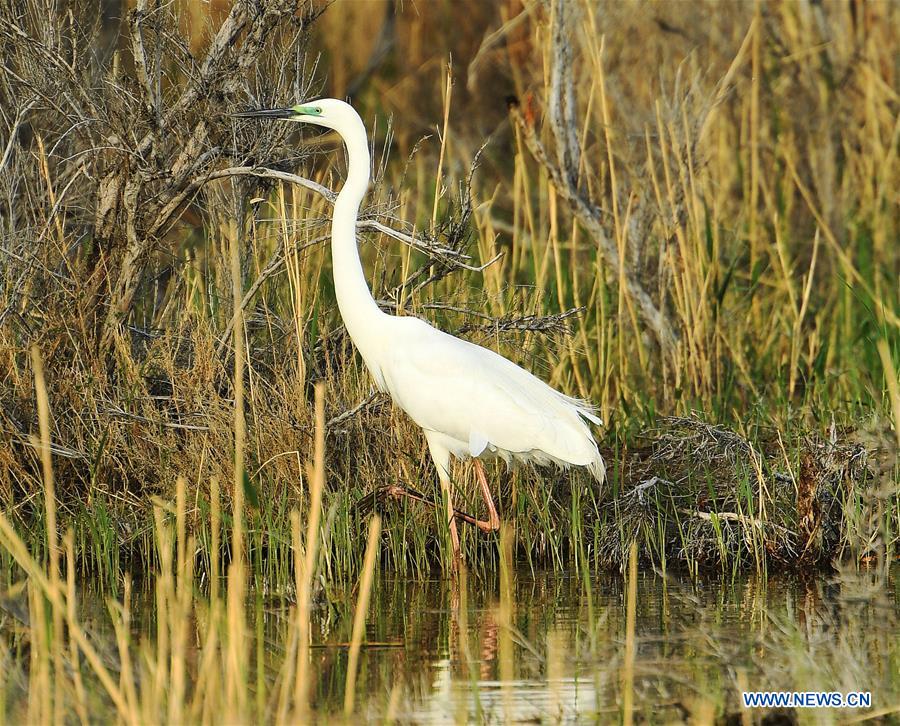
(546, 648)
(442, 654)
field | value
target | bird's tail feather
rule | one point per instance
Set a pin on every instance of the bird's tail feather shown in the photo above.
(598, 469)
(585, 409)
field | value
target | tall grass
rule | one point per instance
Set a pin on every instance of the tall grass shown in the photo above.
(169, 684)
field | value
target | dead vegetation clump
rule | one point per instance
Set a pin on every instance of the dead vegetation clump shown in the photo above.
(111, 143)
(705, 495)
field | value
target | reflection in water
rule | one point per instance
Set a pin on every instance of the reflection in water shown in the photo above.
(695, 642)
(547, 648)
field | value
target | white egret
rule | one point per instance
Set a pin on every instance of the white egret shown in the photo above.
(469, 401)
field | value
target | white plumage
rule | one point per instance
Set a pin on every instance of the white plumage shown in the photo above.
(469, 401)
(472, 401)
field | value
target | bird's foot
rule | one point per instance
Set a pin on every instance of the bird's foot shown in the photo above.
(485, 526)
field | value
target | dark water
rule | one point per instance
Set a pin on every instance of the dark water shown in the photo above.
(439, 653)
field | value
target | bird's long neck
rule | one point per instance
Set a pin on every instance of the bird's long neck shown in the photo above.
(358, 309)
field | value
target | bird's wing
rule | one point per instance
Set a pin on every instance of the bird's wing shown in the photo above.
(475, 395)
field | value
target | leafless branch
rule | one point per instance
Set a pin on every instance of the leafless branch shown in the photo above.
(564, 174)
(523, 323)
(590, 217)
(272, 267)
(373, 397)
(151, 105)
(451, 256)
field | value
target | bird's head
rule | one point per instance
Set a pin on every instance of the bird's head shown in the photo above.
(328, 112)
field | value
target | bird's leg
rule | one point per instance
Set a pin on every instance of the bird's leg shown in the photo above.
(440, 454)
(451, 515)
(490, 639)
(493, 523)
(396, 491)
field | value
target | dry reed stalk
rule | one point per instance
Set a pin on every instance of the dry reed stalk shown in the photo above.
(176, 687)
(181, 604)
(362, 608)
(43, 406)
(209, 668)
(296, 288)
(307, 559)
(40, 692)
(893, 387)
(753, 206)
(630, 647)
(240, 426)
(505, 622)
(121, 618)
(447, 96)
(235, 681)
(215, 525)
(164, 589)
(623, 302)
(235, 630)
(286, 685)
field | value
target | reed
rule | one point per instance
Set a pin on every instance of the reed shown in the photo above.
(749, 253)
(630, 643)
(791, 645)
(359, 619)
(43, 444)
(307, 556)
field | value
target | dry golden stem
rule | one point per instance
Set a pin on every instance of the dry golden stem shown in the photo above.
(630, 648)
(359, 618)
(43, 405)
(307, 559)
(235, 680)
(11, 542)
(893, 387)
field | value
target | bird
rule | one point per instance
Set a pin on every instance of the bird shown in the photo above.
(469, 401)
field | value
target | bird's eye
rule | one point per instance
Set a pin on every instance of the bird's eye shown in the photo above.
(318, 109)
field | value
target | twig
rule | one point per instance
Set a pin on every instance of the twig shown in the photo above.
(733, 517)
(453, 257)
(532, 323)
(151, 105)
(272, 266)
(646, 484)
(350, 413)
(20, 115)
(116, 411)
